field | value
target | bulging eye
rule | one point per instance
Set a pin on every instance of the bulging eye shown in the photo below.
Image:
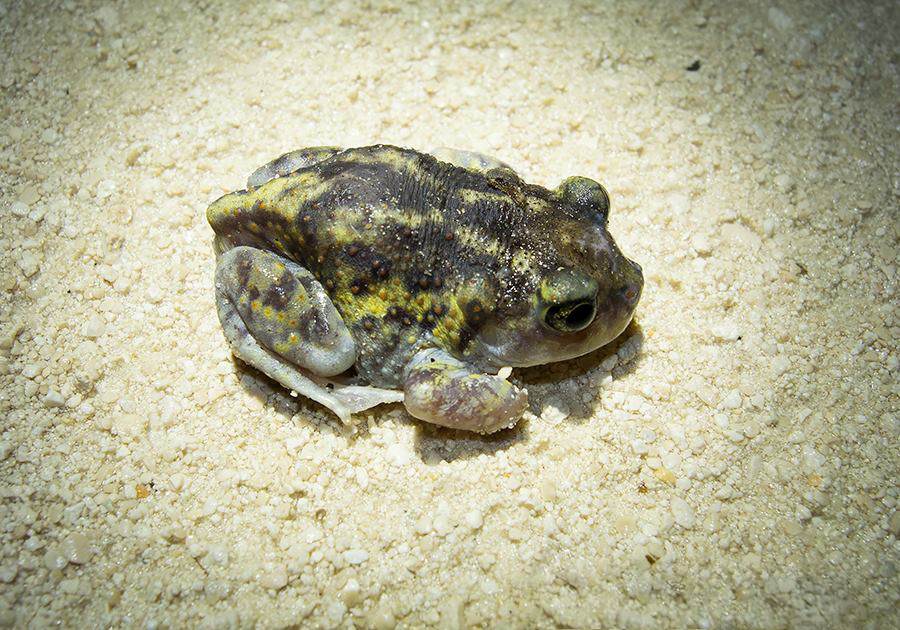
(568, 299)
(571, 316)
(586, 195)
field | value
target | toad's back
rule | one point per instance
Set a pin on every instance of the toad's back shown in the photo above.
(411, 250)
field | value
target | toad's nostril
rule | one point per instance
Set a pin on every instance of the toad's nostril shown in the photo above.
(630, 293)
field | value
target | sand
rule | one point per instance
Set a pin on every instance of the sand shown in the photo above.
(731, 462)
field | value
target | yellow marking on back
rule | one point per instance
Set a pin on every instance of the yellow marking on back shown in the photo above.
(342, 230)
(274, 197)
(411, 218)
(449, 324)
(355, 307)
(522, 259)
(470, 196)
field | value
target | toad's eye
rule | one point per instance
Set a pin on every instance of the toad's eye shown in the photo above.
(586, 195)
(571, 316)
(568, 300)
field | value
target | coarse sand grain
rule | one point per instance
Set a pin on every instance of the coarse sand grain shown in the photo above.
(730, 462)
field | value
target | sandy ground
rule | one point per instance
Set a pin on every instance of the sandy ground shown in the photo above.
(732, 462)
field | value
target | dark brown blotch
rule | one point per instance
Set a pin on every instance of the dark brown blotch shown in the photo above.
(380, 269)
(466, 335)
(244, 267)
(475, 314)
(279, 294)
(399, 314)
(417, 282)
(359, 286)
(368, 325)
(313, 324)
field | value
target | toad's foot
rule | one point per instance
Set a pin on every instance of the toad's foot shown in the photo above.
(445, 391)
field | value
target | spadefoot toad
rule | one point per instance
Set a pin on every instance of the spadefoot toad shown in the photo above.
(381, 274)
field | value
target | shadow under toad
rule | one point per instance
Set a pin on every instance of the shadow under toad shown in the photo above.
(566, 380)
(432, 442)
(542, 381)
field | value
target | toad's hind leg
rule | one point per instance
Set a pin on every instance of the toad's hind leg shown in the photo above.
(285, 309)
(278, 318)
(290, 162)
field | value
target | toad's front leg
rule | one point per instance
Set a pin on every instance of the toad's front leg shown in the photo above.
(445, 391)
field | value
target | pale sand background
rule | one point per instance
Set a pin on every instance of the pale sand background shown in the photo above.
(733, 465)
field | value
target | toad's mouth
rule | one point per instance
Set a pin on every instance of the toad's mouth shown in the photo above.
(539, 346)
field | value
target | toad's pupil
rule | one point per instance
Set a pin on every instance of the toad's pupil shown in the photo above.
(571, 316)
